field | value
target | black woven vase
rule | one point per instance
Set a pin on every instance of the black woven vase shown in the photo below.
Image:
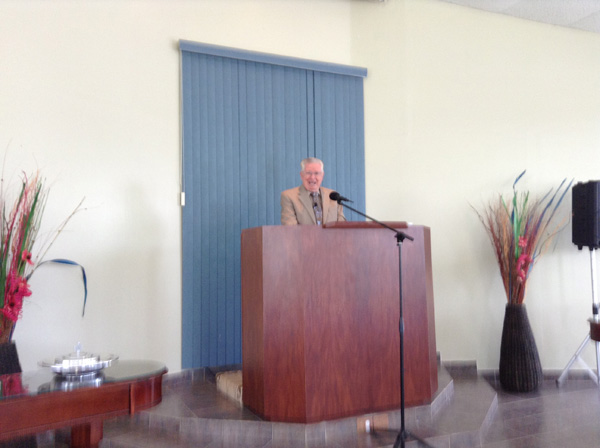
(9, 359)
(520, 367)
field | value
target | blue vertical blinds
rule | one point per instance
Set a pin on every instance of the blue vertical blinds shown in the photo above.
(339, 136)
(248, 121)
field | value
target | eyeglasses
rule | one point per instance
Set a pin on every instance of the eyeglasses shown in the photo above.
(313, 173)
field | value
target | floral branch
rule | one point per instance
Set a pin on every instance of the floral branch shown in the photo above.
(520, 232)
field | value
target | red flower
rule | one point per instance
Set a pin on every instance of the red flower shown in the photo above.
(16, 289)
(522, 242)
(523, 267)
(26, 256)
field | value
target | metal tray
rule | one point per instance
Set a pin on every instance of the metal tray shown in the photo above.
(79, 363)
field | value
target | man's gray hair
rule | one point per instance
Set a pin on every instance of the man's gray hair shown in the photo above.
(311, 160)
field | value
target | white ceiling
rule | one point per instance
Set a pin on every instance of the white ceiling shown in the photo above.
(580, 14)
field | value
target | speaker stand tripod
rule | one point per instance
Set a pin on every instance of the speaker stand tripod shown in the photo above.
(594, 333)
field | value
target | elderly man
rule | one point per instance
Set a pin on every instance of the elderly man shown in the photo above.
(309, 203)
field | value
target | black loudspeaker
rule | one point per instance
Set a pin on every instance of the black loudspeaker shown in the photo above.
(586, 211)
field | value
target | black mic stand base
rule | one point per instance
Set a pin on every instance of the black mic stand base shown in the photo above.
(405, 436)
(402, 437)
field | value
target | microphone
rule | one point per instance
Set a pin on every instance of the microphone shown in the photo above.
(335, 196)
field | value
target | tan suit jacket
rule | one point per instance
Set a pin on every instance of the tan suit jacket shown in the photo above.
(297, 208)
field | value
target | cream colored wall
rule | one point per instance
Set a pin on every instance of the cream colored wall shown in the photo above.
(457, 102)
(89, 92)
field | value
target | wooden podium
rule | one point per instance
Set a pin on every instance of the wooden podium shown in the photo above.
(320, 315)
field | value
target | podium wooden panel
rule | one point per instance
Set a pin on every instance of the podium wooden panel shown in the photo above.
(320, 314)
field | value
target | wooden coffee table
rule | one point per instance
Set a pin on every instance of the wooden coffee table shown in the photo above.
(32, 402)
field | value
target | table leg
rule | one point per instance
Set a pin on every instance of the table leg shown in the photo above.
(87, 435)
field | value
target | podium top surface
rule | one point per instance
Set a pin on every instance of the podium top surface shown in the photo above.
(364, 225)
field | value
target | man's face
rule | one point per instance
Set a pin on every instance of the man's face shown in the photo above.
(312, 176)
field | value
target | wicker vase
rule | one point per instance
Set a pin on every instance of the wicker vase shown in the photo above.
(9, 360)
(520, 367)
(6, 327)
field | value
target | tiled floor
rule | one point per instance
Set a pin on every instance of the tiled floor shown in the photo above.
(552, 417)
(473, 412)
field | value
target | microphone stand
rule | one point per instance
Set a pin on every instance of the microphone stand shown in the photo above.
(403, 435)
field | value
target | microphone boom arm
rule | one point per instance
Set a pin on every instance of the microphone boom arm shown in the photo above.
(400, 236)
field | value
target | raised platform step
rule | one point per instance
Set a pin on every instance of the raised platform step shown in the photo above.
(195, 413)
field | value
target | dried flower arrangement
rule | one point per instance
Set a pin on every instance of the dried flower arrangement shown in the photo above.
(20, 220)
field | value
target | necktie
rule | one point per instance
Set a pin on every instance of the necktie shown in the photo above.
(317, 208)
